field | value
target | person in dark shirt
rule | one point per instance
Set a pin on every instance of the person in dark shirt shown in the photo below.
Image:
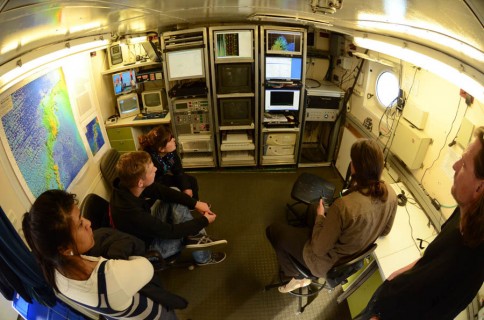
(447, 277)
(160, 215)
(161, 146)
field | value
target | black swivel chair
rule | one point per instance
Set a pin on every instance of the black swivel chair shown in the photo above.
(337, 275)
(308, 189)
(96, 209)
(108, 166)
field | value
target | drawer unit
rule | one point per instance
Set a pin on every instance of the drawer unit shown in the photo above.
(123, 139)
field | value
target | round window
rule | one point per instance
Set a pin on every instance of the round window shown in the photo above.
(387, 88)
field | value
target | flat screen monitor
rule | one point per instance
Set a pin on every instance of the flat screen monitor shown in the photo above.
(152, 100)
(282, 100)
(234, 78)
(236, 111)
(124, 82)
(233, 44)
(283, 68)
(283, 42)
(185, 64)
(128, 105)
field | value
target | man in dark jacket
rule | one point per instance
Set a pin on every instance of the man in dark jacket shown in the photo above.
(159, 215)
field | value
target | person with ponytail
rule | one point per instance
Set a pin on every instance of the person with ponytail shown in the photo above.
(160, 143)
(59, 237)
(353, 222)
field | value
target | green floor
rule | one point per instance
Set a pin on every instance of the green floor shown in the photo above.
(246, 201)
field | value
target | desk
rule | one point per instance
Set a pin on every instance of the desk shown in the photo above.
(129, 122)
(397, 249)
(123, 135)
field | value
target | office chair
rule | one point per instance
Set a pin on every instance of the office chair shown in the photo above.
(108, 166)
(308, 189)
(337, 275)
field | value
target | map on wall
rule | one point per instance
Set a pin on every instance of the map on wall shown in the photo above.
(42, 134)
(94, 136)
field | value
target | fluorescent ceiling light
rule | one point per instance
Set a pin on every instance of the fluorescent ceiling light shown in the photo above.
(454, 71)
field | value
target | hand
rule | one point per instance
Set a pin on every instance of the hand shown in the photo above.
(320, 210)
(210, 216)
(188, 192)
(202, 207)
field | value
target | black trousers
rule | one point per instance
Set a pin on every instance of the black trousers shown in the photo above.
(288, 241)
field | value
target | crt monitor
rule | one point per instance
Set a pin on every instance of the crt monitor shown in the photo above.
(124, 81)
(234, 78)
(152, 100)
(185, 64)
(281, 100)
(283, 68)
(236, 111)
(128, 105)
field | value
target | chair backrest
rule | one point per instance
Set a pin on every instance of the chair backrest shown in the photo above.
(340, 272)
(108, 165)
(96, 209)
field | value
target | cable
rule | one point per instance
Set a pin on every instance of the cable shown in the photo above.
(445, 141)
(411, 229)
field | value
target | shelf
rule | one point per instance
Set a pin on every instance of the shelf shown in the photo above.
(244, 127)
(131, 66)
(235, 95)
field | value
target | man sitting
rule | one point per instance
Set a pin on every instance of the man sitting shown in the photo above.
(159, 215)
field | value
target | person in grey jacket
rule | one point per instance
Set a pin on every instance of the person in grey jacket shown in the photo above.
(352, 223)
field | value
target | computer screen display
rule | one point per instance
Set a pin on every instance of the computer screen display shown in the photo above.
(124, 82)
(128, 105)
(152, 100)
(237, 111)
(283, 68)
(282, 100)
(234, 78)
(233, 44)
(185, 64)
(283, 42)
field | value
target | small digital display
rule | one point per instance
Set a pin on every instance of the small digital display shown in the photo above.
(283, 68)
(124, 82)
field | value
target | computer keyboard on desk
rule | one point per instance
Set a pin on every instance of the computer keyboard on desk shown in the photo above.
(150, 116)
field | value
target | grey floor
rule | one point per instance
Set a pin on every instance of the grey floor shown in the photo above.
(246, 202)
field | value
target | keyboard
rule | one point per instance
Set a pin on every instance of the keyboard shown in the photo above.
(150, 116)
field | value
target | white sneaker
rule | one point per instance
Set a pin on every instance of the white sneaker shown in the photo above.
(294, 284)
(201, 241)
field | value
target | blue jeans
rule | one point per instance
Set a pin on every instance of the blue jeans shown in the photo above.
(175, 213)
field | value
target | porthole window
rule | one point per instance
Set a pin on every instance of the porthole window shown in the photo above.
(386, 88)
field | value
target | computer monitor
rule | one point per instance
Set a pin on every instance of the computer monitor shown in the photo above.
(233, 44)
(283, 68)
(236, 111)
(234, 78)
(128, 105)
(282, 100)
(185, 64)
(152, 100)
(283, 42)
(124, 81)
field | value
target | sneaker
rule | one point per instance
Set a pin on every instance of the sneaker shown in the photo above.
(294, 284)
(201, 241)
(216, 257)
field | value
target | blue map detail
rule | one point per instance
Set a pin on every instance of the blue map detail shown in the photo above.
(42, 134)
(94, 136)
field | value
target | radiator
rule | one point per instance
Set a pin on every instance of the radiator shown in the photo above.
(410, 145)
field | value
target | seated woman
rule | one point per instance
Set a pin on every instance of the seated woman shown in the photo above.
(161, 146)
(58, 236)
(353, 222)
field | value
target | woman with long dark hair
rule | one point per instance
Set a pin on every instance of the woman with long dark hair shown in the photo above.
(59, 237)
(352, 223)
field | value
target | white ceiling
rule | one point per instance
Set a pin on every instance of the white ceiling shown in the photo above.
(26, 25)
